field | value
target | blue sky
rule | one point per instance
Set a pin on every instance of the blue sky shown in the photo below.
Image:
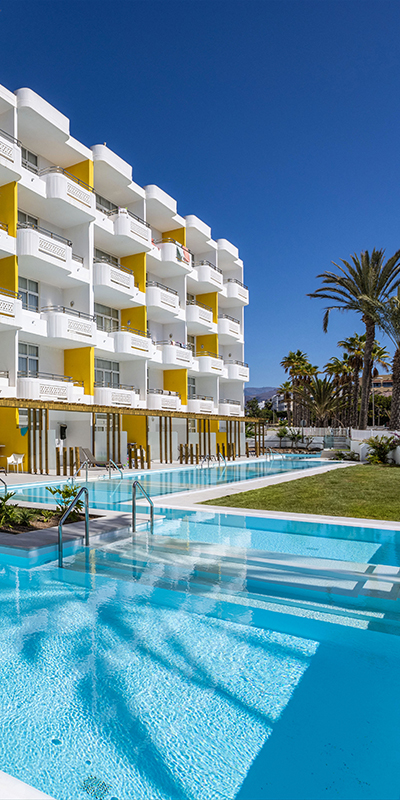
(275, 122)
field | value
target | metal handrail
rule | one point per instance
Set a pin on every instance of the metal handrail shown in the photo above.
(127, 329)
(269, 450)
(32, 226)
(231, 402)
(136, 484)
(4, 226)
(9, 293)
(10, 138)
(115, 467)
(6, 487)
(197, 303)
(162, 286)
(234, 361)
(227, 316)
(71, 311)
(207, 353)
(207, 264)
(110, 385)
(85, 464)
(61, 171)
(235, 280)
(66, 514)
(49, 376)
(168, 240)
(174, 343)
(162, 391)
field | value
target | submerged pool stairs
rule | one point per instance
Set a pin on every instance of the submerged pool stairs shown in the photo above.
(356, 595)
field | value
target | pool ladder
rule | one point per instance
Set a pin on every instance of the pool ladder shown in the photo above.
(135, 486)
(66, 515)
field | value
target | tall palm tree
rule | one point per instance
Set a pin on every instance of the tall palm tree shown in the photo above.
(286, 390)
(354, 346)
(359, 287)
(389, 321)
(340, 370)
(321, 396)
(294, 363)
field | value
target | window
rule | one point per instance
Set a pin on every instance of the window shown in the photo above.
(191, 387)
(191, 343)
(27, 218)
(107, 319)
(387, 384)
(190, 298)
(28, 359)
(29, 291)
(106, 373)
(99, 255)
(192, 425)
(105, 205)
(23, 418)
(29, 160)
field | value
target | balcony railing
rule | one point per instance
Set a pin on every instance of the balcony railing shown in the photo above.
(61, 171)
(175, 344)
(233, 361)
(10, 138)
(50, 234)
(167, 240)
(9, 293)
(4, 226)
(197, 303)
(116, 328)
(75, 257)
(239, 283)
(49, 376)
(200, 397)
(231, 402)
(207, 353)
(31, 167)
(226, 316)
(161, 286)
(104, 260)
(207, 264)
(110, 385)
(4, 373)
(163, 391)
(69, 311)
(114, 209)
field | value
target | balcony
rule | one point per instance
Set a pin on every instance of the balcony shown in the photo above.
(230, 408)
(115, 285)
(121, 395)
(175, 355)
(69, 328)
(10, 158)
(7, 242)
(47, 386)
(162, 302)
(175, 259)
(199, 317)
(70, 201)
(10, 310)
(161, 400)
(133, 229)
(237, 370)
(228, 329)
(236, 292)
(208, 278)
(39, 249)
(5, 389)
(201, 404)
(209, 363)
(131, 342)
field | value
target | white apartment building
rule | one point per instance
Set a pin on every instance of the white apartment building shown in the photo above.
(109, 297)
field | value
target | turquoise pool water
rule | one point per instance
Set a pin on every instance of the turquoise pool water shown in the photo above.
(113, 691)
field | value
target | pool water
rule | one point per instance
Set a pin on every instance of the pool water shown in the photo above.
(111, 691)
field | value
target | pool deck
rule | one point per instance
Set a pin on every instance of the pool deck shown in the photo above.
(14, 789)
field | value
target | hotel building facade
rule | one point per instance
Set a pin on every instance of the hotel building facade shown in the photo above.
(120, 320)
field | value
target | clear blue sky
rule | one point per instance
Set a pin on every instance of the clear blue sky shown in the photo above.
(277, 123)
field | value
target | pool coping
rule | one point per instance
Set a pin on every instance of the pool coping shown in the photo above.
(14, 789)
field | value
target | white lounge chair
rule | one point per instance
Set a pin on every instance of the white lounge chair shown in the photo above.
(15, 460)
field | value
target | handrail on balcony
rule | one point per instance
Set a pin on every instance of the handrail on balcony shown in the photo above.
(168, 240)
(4, 226)
(200, 397)
(207, 353)
(127, 329)
(174, 343)
(197, 303)
(4, 373)
(234, 361)
(9, 293)
(109, 385)
(235, 280)
(10, 138)
(226, 316)
(162, 286)
(31, 167)
(207, 264)
(50, 376)
(50, 234)
(61, 171)
(75, 257)
(70, 311)
(231, 402)
(163, 391)
(117, 209)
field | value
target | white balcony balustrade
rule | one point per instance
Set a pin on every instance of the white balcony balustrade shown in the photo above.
(175, 259)
(228, 329)
(121, 395)
(236, 292)
(39, 250)
(132, 343)
(70, 201)
(209, 363)
(115, 285)
(69, 328)
(47, 386)
(7, 242)
(199, 317)
(162, 302)
(175, 355)
(133, 229)
(208, 277)
(236, 370)
(161, 400)
(10, 158)
(201, 404)
(10, 310)
(230, 408)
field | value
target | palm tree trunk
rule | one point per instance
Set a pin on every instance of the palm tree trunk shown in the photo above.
(356, 394)
(395, 410)
(369, 343)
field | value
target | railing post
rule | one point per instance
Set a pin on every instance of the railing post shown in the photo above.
(58, 465)
(191, 454)
(65, 461)
(71, 461)
(181, 453)
(77, 460)
(197, 453)
(148, 453)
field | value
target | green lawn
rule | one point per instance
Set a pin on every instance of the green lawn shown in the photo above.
(372, 492)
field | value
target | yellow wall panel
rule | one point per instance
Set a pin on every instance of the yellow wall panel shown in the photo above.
(179, 234)
(207, 343)
(11, 437)
(84, 171)
(136, 428)
(211, 300)
(175, 380)
(134, 318)
(79, 364)
(9, 273)
(9, 206)
(137, 263)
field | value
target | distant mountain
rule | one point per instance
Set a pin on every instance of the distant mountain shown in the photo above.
(262, 393)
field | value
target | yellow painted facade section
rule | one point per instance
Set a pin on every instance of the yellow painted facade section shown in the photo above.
(211, 300)
(137, 263)
(134, 318)
(83, 171)
(136, 429)
(208, 343)
(9, 273)
(175, 380)
(79, 364)
(11, 437)
(179, 234)
(9, 206)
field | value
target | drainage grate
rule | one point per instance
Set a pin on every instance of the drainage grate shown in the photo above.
(95, 787)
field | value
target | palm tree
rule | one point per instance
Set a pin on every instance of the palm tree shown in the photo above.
(339, 369)
(389, 321)
(321, 396)
(354, 346)
(286, 390)
(294, 363)
(359, 287)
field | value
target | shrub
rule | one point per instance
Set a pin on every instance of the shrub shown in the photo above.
(380, 448)
(345, 455)
(8, 514)
(64, 497)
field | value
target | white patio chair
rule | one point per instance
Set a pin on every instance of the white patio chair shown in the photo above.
(15, 460)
